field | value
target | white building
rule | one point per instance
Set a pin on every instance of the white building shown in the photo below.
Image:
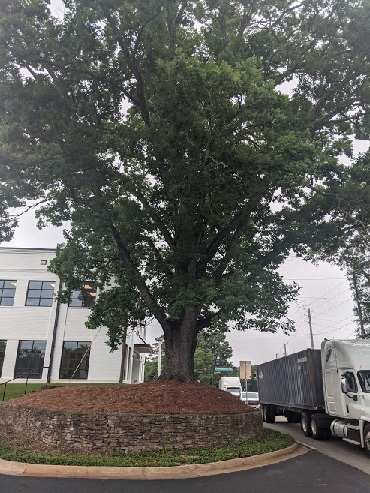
(47, 341)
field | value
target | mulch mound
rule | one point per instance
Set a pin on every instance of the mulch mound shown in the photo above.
(158, 397)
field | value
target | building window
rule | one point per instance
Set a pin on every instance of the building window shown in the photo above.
(40, 293)
(7, 292)
(30, 359)
(85, 296)
(75, 360)
(2, 355)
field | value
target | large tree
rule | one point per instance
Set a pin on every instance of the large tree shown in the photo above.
(159, 129)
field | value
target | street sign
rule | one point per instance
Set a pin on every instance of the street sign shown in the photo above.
(245, 370)
(224, 370)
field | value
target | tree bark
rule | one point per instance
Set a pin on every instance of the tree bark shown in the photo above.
(180, 342)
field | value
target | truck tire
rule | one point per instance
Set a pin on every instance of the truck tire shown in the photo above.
(317, 432)
(270, 414)
(367, 439)
(306, 424)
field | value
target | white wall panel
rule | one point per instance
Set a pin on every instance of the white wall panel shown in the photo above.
(20, 322)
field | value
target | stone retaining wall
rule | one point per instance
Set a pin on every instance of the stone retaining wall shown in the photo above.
(95, 433)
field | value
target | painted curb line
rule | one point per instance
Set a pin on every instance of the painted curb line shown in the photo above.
(176, 472)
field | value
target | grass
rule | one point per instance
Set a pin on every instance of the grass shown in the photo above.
(269, 441)
(17, 389)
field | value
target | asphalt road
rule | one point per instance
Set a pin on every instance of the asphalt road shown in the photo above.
(340, 450)
(308, 473)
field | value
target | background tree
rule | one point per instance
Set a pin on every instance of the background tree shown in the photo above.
(213, 350)
(346, 237)
(157, 127)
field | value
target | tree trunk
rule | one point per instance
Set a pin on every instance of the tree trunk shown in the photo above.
(180, 342)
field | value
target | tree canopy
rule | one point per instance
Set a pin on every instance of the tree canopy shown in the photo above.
(160, 130)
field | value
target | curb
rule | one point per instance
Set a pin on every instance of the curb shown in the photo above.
(176, 472)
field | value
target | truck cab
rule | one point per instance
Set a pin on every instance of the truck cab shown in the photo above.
(346, 378)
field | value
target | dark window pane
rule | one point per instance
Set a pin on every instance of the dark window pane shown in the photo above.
(70, 345)
(7, 292)
(40, 293)
(34, 293)
(7, 301)
(48, 285)
(2, 355)
(30, 359)
(25, 344)
(32, 302)
(46, 302)
(75, 360)
(10, 284)
(85, 297)
(35, 285)
(39, 345)
(47, 293)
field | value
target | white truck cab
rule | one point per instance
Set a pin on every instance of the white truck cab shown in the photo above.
(346, 385)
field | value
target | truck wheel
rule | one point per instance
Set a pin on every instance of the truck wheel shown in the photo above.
(367, 439)
(319, 433)
(270, 414)
(306, 424)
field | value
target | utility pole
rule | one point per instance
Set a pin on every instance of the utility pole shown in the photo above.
(359, 309)
(310, 324)
(285, 350)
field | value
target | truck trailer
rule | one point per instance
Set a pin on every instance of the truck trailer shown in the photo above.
(327, 390)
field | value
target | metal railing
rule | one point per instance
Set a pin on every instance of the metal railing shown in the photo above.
(23, 375)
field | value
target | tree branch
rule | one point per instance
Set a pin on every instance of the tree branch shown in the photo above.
(133, 65)
(140, 283)
(236, 225)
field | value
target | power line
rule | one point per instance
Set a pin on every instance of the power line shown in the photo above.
(334, 330)
(337, 322)
(330, 291)
(339, 304)
(313, 279)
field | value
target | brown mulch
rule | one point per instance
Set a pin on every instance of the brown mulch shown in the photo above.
(158, 397)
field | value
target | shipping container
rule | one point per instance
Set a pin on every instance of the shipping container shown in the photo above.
(292, 381)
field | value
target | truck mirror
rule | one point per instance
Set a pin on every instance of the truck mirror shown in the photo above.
(343, 386)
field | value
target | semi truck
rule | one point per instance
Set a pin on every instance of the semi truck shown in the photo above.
(230, 384)
(327, 390)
